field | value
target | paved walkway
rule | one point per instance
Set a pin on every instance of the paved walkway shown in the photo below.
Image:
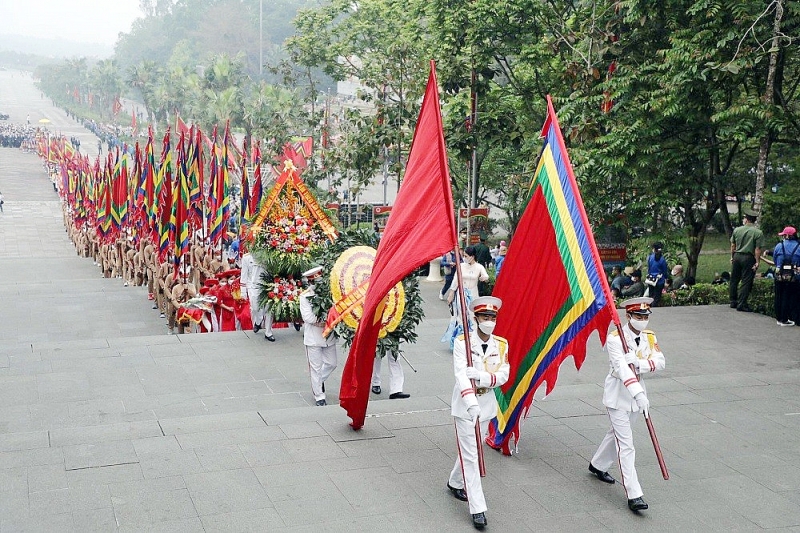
(108, 424)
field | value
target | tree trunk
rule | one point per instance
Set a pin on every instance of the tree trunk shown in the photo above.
(769, 93)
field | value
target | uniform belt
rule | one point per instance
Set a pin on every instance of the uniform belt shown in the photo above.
(480, 391)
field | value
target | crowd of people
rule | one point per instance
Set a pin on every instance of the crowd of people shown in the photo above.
(14, 135)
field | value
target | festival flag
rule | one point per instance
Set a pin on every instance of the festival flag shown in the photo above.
(148, 191)
(220, 206)
(245, 194)
(116, 107)
(421, 227)
(257, 190)
(553, 287)
(179, 221)
(164, 195)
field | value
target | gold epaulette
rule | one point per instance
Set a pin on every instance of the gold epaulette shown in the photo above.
(460, 337)
(651, 332)
(501, 340)
(615, 333)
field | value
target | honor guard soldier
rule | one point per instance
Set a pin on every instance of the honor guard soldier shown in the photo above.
(624, 397)
(469, 404)
(321, 351)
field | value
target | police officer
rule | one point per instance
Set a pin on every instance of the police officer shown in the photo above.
(320, 350)
(624, 397)
(470, 404)
(747, 241)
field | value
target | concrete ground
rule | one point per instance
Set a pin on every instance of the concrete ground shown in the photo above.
(109, 424)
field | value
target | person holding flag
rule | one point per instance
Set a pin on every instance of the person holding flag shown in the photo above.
(471, 404)
(624, 396)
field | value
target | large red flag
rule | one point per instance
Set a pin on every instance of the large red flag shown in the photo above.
(421, 227)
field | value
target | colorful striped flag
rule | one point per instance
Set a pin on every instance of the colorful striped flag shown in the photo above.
(554, 290)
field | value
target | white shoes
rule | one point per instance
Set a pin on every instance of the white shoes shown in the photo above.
(787, 323)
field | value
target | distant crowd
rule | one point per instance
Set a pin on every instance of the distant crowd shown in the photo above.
(13, 135)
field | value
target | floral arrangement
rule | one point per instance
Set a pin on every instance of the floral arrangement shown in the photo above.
(283, 295)
(322, 301)
(289, 236)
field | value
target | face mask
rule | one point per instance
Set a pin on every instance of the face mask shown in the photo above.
(487, 327)
(639, 325)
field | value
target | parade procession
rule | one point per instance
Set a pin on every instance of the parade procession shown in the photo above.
(403, 266)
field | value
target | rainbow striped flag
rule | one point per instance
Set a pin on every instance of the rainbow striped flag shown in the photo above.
(554, 290)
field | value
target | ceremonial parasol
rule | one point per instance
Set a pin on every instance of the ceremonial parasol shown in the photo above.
(44, 120)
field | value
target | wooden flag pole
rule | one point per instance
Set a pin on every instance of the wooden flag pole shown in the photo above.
(650, 428)
(462, 299)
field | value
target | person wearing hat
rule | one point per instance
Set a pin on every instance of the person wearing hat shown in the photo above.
(320, 351)
(657, 271)
(787, 268)
(746, 244)
(625, 397)
(476, 402)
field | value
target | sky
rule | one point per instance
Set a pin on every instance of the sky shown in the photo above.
(91, 21)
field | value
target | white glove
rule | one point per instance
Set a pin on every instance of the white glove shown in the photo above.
(474, 411)
(643, 403)
(472, 373)
(631, 359)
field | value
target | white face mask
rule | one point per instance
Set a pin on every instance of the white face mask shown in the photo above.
(487, 327)
(639, 325)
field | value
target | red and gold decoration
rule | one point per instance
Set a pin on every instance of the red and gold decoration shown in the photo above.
(349, 282)
(289, 228)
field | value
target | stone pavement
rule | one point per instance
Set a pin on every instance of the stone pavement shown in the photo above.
(108, 424)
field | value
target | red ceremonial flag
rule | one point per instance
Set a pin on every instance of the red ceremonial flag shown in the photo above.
(421, 227)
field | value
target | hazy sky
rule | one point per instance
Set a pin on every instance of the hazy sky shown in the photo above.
(94, 21)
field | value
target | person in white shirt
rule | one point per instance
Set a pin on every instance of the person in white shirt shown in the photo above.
(625, 397)
(473, 402)
(250, 280)
(320, 350)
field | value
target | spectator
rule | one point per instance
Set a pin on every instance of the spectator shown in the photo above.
(500, 259)
(620, 279)
(721, 278)
(677, 277)
(787, 266)
(449, 267)
(636, 287)
(656, 273)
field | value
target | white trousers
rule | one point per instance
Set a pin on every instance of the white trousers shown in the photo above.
(617, 445)
(321, 363)
(466, 472)
(396, 377)
(257, 313)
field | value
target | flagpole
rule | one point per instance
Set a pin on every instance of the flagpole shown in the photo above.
(462, 299)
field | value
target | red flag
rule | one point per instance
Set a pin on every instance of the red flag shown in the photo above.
(420, 228)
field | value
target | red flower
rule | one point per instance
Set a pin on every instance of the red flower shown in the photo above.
(271, 294)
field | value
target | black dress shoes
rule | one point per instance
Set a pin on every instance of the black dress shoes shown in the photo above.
(376, 389)
(479, 520)
(399, 396)
(459, 494)
(270, 338)
(256, 328)
(321, 402)
(637, 504)
(605, 477)
(744, 308)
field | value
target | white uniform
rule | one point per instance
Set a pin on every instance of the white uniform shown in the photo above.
(321, 351)
(396, 376)
(494, 368)
(250, 279)
(619, 389)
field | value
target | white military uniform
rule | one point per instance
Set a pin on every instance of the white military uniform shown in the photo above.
(619, 389)
(396, 376)
(494, 368)
(250, 278)
(321, 351)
